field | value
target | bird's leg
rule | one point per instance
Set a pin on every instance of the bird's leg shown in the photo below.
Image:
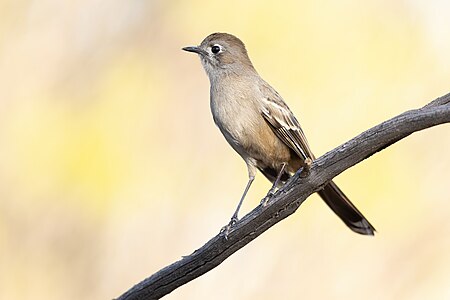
(274, 186)
(234, 218)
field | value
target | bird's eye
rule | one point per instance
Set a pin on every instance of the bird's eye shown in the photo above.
(215, 49)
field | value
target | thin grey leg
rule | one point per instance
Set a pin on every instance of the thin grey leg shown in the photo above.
(235, 215)
(226, 229)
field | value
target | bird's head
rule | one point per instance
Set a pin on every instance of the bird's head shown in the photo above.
(222, 53)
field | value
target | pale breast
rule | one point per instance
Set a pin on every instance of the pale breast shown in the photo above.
(237, 113)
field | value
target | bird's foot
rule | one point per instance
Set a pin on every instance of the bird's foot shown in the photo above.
(226, 229)
(267, 198)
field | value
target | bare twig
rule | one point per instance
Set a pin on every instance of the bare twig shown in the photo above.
(289, 198)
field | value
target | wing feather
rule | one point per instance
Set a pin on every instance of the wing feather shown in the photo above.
(284, 124)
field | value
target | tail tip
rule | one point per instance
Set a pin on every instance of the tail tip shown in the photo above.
(363, 227)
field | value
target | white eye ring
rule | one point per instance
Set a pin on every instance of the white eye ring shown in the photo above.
(216, 48)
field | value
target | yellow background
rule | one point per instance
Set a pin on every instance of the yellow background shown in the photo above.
(111, 166)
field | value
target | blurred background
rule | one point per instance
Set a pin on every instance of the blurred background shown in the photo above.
(111, 166)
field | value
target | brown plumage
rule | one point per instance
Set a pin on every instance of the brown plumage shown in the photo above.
(259, 125)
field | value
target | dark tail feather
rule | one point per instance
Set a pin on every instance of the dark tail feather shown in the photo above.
(345, 210)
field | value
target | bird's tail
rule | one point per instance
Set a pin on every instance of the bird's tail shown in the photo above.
(345, 210)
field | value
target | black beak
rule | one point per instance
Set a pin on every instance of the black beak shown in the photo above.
(194, 49)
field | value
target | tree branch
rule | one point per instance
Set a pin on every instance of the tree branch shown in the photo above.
(289, 198)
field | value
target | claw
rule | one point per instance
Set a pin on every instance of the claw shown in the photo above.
(226, 229)
(266, 199)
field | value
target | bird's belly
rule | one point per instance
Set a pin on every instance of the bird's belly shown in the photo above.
(267, 149)
(253, 139)
(234, 130)
(246, 130)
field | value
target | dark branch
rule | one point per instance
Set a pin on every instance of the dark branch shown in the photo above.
(289, 198)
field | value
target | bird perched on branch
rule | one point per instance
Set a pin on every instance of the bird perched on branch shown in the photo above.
(259, 125)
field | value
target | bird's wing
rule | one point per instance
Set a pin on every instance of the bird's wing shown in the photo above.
(284, 124)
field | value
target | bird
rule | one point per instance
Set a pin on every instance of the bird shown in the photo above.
(259, 125)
